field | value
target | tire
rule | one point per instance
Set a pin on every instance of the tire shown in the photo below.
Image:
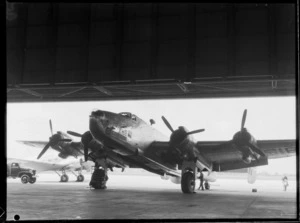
(32, 180)
(188, 183)
(64, 178)
(80, 178)
(25, 178)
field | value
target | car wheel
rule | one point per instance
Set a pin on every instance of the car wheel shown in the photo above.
(25, 179)
(32, 180)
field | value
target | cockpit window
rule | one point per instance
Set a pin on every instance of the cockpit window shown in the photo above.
(128, 115)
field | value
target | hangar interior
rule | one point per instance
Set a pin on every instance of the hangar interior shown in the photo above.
(108, 51)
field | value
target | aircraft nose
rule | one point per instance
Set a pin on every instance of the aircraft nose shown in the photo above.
(97, 113)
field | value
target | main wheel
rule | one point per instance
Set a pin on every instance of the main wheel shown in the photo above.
(64, 178)
(32, 180)
(188, 183)
(80, 178)
(25, 178)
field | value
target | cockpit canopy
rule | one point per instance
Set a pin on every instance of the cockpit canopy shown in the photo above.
(128, 115)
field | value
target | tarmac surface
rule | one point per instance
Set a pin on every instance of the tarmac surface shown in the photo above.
(148, 197)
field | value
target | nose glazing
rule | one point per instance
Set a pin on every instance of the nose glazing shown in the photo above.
(97, 113)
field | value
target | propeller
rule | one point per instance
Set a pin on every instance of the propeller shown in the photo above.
(179, 136)
(195, 131)
(172, 130)
(244, 119)
(167, 123)
(50, 122)
(244, 137)
(54, 139)
(74, 134)
(85, 140)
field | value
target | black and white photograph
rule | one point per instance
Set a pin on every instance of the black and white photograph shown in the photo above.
(152, 111)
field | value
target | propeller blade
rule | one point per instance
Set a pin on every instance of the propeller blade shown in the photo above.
(256, 149)
(86, 153)
(50, 122)
(77, 149)
(74, 134)
(195, 131)
(64, 140)
(244, 119)
(44, 150)
(167, 123)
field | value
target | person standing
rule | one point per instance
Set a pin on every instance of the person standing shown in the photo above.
(201, 181)
(285, 182)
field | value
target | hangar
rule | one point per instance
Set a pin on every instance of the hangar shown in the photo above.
(108, 51)
(111, 51)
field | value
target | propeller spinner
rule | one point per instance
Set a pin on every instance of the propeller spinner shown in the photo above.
(53, 140)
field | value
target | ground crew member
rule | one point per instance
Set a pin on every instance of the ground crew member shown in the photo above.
(285, 182)
(201, 181)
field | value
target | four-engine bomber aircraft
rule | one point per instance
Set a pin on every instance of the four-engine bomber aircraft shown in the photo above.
(124, 140)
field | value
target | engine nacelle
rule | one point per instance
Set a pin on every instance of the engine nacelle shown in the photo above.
(243, 138)
(95, 146)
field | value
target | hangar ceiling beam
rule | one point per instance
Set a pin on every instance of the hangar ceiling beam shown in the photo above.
(103, 90)
(183, 87)
(31, 92)
(72, 92)
(136, 90)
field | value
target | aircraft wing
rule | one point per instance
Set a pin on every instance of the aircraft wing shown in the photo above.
(43, 166)
(151, 165)
(278, 148)
(36, 144)
(224, 155)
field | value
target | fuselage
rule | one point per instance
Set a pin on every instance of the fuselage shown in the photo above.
(128, 135)
(124, 130)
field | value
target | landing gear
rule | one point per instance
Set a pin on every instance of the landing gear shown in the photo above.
(188, 183)
(64, 178)
(99, 178)
(188, 177)
(80, 178)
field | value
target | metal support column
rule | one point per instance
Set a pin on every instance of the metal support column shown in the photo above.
(154, 41)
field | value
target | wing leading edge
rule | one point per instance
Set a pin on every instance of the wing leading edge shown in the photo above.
(225, 156)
